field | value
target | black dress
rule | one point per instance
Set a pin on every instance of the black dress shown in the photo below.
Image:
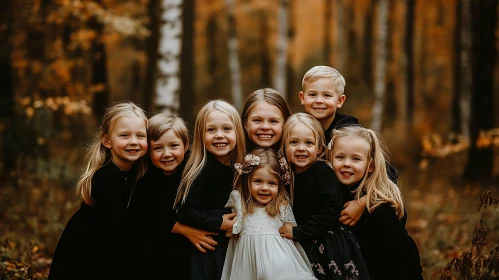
(92, 244)
(331, 248)
(389, 251)
(203, 209)
(156, 252)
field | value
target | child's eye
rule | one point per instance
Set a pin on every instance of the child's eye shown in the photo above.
(356, 159)
(141, 136)
(293, 142)
(257, 120)
(123, 135)
(274, 121)
(158, 148)
(257, 181)
(175, 145)
(228, 128)
(338, 157)
(310, 143)
(210, 129)
(312, 94)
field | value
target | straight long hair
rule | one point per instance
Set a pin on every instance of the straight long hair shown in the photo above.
(98, 155)
(197, 159)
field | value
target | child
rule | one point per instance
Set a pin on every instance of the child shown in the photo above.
(94, 238)
(207, 182)
(358, 158)
(155, 240)
(323, 89)
(317, 202)
(260, 252)
(323, 93)
(264, 114)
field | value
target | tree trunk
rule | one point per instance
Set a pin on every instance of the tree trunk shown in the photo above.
(265, 56)
(234, 68)
(282, 48)
(152, 43)
(380, 66)
(409, 66)
(327, 32)
(168, 82)
(484, 18)
(187, 72)
(465, 71)
(6, 91)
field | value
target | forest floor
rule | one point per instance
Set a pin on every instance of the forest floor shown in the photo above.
(441, 218)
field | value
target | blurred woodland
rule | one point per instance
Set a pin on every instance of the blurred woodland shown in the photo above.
(423, 73)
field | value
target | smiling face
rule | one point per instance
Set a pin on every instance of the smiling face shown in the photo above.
(264, 124)
(302, 148)
(167, 153)
(219, 136)
(321, 100)
(350, 159)
(264, 185)
(127, 141)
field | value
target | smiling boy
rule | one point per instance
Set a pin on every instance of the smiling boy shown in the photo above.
(323, 93)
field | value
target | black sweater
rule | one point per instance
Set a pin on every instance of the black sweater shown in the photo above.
(205, 202)
(389, 251)
(317, 201)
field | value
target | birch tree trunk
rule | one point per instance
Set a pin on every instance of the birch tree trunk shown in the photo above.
(168, 84)
(380, 65)
(234, 68)
(282, 49)
(465, 72)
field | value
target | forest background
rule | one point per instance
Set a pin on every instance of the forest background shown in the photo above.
(422, 73)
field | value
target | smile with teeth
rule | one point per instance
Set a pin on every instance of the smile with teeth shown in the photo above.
(220, 145)
(264, 136)
(346, 174)
(132, 151)
(301, 157)
(168, 161)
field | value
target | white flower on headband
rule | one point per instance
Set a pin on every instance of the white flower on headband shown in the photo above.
(250, 160)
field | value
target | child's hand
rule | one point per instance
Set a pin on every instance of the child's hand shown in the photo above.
(228, 221)
(199, 238)
(286, 230)
(351, 213)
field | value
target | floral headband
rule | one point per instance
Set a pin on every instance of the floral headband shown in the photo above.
(250, 161)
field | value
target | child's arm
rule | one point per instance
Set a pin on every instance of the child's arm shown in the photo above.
(199, 238)
(352, 211)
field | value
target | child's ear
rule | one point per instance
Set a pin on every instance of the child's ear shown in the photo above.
(371, 167)
(105, 141)
(186, 146)
(302, 96)
(341, 100)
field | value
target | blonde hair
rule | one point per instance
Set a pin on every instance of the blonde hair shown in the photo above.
(98, 155)
(376, 185)
(197, 159)
(268, 159)
(321, 71)
(314, 125)
(160, 123)
(269, 96)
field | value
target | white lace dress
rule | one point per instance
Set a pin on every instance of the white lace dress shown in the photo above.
(260, 253)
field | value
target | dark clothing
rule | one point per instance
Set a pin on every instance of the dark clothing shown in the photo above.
(203, 209)
(389, 251)
(331, 249)
(94, 237)
(152, 244)
(341, 120)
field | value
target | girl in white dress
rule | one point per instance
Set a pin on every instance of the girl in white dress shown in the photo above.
(256, 249)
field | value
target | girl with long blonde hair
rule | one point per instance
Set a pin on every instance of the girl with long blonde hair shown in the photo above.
(359, 159)
(218, 143)
(94, 237)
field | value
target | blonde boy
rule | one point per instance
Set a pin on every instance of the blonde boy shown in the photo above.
(323, 89)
